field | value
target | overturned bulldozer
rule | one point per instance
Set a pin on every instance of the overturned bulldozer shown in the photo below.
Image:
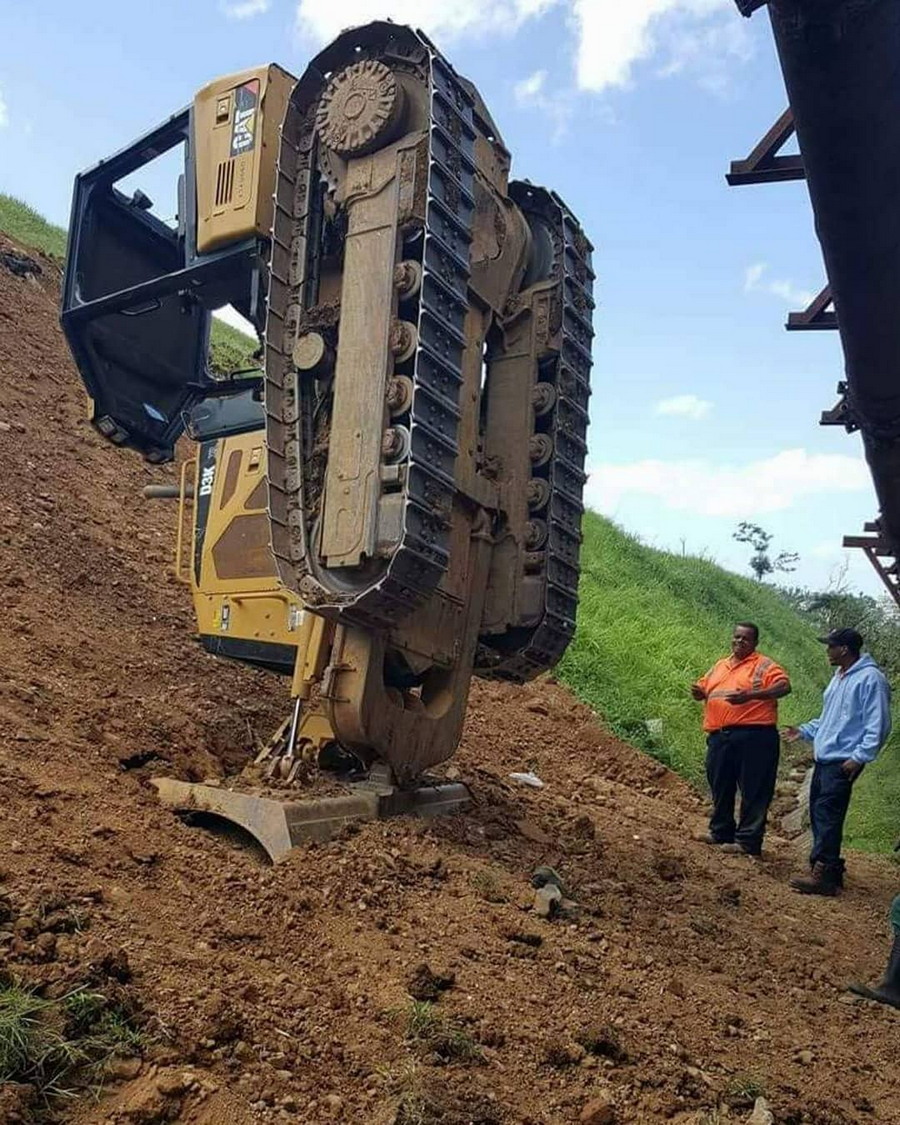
(393, 503)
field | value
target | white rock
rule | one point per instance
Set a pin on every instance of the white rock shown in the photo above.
(546, 899)
(530, 779)
(761, 1114)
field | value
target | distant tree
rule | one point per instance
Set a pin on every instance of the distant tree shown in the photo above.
(761, 561)
(839, 607)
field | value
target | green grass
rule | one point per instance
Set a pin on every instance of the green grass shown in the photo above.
(61, 1046)
(32, 230)
(650, 622)
(229, 349)
(744, 1089)
(434, 1033)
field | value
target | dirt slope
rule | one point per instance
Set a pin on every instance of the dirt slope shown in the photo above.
(684, 984)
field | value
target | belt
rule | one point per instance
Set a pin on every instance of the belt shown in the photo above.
(743, 726)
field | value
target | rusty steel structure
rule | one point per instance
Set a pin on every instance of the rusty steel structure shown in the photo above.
(841, 66)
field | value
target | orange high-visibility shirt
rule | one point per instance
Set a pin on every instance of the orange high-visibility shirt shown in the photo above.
(753, 673)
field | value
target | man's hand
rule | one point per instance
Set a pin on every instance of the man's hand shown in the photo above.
(736, 698)
(851, 768)
(698, 693)
(791, 734)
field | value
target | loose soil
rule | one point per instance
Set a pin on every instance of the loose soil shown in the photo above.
(680, 984)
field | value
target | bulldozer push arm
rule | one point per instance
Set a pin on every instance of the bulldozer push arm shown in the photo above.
(407, 469)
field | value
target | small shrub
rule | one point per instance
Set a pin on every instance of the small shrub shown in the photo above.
(61, 1046)
(744, 1089)
(419, 1098)
(487, 885)
(440, 1035)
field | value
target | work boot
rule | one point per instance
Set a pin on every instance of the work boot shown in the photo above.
(888, 992)
(837, 872)
(823, 880)
(708, 838)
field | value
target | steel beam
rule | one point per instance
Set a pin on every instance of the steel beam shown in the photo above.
(816, 316)
(764, 165)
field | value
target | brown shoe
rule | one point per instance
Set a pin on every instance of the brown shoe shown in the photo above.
(821, 881)
(708, 838)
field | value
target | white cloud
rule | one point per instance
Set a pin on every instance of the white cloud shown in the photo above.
(530, 88)
(756, 282)
(709, 53)
(753, 276)
(531, 93)
(702, 38)
(4, 114)
(324, 19)
(684, 406)
(740, 491)
(613, 36)
(245, 9)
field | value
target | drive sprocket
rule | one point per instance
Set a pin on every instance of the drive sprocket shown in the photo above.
(359, 107)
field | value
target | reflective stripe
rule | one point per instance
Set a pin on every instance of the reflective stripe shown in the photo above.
(729, 677)
(761, 668)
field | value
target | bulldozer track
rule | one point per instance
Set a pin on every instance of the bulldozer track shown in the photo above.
(566, 425)
(421, 559)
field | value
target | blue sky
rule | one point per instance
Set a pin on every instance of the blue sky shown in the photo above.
(704, 410)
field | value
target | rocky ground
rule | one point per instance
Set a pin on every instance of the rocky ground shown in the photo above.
(402, 974)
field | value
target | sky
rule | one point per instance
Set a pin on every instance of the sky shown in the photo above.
(704, 410)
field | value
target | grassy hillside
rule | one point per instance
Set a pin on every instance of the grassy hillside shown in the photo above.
(26, 226)
(650, 622)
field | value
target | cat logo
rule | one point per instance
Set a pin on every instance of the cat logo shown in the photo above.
(243, 129)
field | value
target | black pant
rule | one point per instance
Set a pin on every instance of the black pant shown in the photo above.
(829, 799)
(744, 758)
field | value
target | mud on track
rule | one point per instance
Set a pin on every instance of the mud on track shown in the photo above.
(684, 982)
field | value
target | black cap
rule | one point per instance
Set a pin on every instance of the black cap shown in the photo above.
(848, 637)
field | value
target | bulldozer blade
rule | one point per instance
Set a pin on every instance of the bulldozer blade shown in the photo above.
(279, 826)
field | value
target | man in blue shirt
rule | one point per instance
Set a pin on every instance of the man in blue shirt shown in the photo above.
(854, 725)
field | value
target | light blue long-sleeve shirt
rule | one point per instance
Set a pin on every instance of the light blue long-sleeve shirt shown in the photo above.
(856, 715)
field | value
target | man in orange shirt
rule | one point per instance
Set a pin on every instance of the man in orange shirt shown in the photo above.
(740, 717)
